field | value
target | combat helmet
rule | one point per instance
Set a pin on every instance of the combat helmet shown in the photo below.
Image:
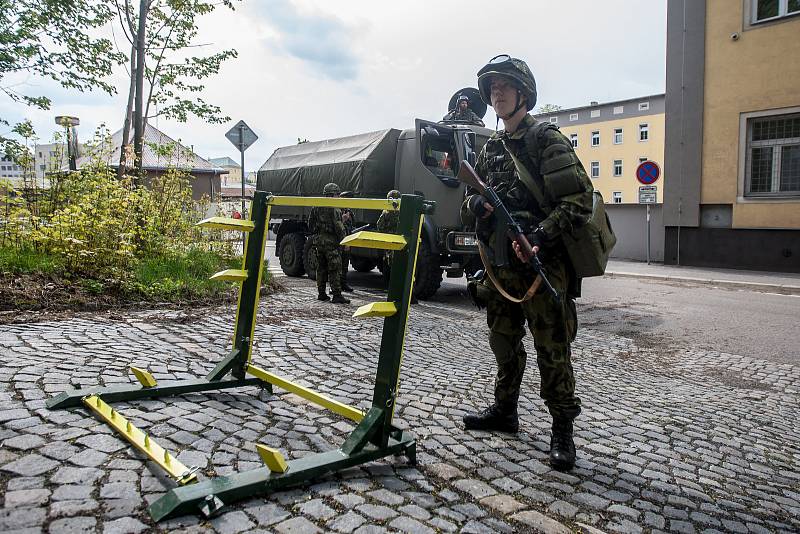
(331, 189)
(462, 97)
(394, 193)
(514, 69)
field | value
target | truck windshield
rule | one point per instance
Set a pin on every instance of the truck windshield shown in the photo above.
(438, 152)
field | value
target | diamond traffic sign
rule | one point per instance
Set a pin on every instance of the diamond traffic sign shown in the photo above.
(241, 136)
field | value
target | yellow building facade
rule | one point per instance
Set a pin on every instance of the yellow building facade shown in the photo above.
(732, 134)
(612, 139)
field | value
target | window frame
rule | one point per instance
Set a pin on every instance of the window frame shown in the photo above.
(783, 12)
(573, 116)
(644, 106)
(553, 120)
(594, 165)
(594, 114)
(573, 138)
(616, 197)
(644, 127)
(614, 172)
(620, 132)
(592, 143)
(746, 120)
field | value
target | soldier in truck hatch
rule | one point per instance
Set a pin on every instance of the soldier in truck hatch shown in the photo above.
(462, 113)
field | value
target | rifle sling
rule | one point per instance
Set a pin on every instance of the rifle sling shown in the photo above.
(528, 180)
(488, 265)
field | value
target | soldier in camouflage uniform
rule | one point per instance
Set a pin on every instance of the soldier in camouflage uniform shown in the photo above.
(347, 221)
(462, 113)
(327, 229)
(387, 223)
(508, 86)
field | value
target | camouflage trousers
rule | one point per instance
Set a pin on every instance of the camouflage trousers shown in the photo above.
(329, 267)
(553, 325)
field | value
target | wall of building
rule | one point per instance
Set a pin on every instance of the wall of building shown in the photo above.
(753, 72)
(629, 222)
(630, 151)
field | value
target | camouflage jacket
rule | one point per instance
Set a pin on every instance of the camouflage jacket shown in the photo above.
(558, 172)
(326, 225)
(466, 116)
(388, 221)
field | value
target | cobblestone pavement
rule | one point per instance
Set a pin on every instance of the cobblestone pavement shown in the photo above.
(686, 441)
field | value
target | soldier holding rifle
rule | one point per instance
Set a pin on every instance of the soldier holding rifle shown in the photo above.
(538, 192)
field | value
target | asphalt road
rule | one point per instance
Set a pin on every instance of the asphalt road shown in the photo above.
(667, 315)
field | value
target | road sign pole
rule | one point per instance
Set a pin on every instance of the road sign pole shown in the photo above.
(648, 234)
(244, 207)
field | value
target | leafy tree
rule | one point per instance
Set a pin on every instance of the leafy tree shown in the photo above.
(53, 39)
(548, 108)
(160, 33)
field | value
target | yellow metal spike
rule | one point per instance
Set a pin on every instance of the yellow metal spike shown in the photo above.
(376, 240)
(376, 309)
(232, 275)
(272, 458)
(227, 223)
(354, 414)
(179, 472)
(144, 377)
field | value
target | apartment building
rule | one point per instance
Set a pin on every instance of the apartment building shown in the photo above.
(612, 138)
(11, 171)
(733, 134)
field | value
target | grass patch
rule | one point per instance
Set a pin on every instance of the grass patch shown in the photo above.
(29, 261)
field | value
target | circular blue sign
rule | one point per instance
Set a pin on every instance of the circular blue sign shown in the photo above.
(648, 172)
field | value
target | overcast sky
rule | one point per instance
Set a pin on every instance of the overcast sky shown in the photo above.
(319, 69)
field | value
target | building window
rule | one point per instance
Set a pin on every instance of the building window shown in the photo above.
(617, 136)
(554, 119)
(773, 153)
(41, 167)
(574, 140)
(594, 113)
(573, 116)
(764, 10)
(617, 167)
(595, 166)
(595, 138)
(644, 132)
(644, 106)
(618, 110)
(617, 196)
(642, 159)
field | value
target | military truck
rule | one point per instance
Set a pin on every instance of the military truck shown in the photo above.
(423, 160)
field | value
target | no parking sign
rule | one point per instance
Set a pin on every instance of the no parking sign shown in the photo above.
(648, 172)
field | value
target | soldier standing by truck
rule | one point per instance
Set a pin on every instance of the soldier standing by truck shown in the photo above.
(549, 193)
(327, 231)
(347, 221)
(463, 113)
(387, 223)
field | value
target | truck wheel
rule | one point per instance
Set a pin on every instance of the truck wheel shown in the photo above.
(310, 260)
(429, 274)
(362, 265)
(290, 254)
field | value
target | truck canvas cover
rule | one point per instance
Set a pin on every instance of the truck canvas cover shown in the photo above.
(363, 164)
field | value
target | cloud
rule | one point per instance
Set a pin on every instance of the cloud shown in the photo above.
(322, 41)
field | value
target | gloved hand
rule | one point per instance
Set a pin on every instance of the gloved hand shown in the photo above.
(537, 238)
(476, 206)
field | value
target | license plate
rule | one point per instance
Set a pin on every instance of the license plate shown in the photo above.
(466, 241)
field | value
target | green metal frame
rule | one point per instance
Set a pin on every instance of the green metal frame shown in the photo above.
(374, 437)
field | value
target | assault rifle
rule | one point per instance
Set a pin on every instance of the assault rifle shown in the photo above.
(468, 176)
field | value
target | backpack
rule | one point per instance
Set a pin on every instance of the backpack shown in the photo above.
(589, 245)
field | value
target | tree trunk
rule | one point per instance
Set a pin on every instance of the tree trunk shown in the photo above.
(126, 127)
(138, 114)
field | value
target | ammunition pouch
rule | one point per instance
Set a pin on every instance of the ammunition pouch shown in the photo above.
(479, 294)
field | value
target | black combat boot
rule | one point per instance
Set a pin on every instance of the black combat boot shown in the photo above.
(339, 299)
(493, 418)
(323, 296)
(346, 287)
(562, 447)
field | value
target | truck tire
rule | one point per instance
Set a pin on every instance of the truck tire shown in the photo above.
(310, 260)
(362, 265)
(290, 254)
(428, 275)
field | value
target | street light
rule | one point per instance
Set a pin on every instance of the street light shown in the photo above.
(69, 124)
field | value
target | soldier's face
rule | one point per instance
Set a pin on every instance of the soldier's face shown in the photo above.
(503, 95)
(462, 105)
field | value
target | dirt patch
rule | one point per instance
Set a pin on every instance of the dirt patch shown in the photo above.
(30, 298)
